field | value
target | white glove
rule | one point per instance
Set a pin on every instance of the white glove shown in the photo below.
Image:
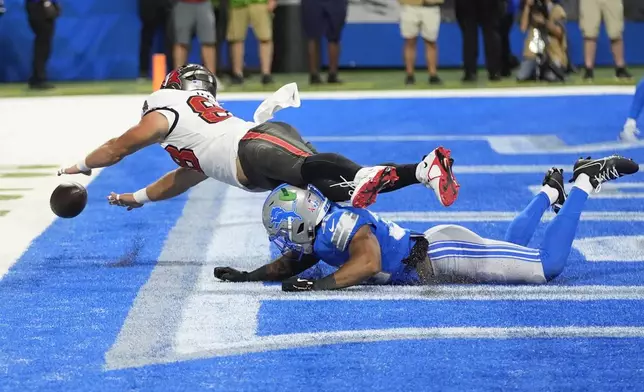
(287, 96)
(630, 132)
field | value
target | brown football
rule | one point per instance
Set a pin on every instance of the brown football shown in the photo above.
(68, 199)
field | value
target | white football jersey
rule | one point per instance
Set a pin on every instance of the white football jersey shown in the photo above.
(203, 136)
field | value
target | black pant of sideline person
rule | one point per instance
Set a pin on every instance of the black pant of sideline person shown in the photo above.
(486, 14)
(155, 15)
(42, 18)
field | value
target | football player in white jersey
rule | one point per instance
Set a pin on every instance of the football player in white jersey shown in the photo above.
(206, 140)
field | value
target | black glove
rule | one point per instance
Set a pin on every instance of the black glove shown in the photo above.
(297, 284)
(230, 274)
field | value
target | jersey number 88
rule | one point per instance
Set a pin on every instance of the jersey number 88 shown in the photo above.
(207, 110)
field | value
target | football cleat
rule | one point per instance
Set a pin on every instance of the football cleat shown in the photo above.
(369, 181)
(435, 172)
(604, 169)
(554, 179)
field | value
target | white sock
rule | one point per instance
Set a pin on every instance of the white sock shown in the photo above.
(631, 122)
(551, 192)
(583, 182)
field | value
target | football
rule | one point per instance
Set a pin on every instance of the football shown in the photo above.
(68, 199)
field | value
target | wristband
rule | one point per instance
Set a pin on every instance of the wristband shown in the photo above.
(141, 196)
(82, 166)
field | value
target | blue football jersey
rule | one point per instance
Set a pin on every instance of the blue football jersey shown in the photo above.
(333, 237)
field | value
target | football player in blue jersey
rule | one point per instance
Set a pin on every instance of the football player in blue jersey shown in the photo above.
(630, 131)
(307, 227)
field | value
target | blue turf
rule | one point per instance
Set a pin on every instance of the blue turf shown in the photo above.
(64, 302)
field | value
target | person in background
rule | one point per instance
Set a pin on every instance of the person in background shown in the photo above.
(420, 17)
(220, 8)
(550, 63)
(630, 132)
(324, 18)
(259, 14)
(591, 13)
(508, 60)
(2, 8)
(190, 16)
(472, 14)
(42, 16)
(154, 15)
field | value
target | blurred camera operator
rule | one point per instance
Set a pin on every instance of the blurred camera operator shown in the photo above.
(42, 15)
(545, 48)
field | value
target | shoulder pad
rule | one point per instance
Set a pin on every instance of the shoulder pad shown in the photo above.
(163, 99)
(341, 225)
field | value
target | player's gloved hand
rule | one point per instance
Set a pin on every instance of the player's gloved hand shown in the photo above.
(297, 284)
(73, 170)
(630, 132)
(123, 200)
(228, 274)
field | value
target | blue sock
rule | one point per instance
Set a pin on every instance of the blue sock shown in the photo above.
(560, 233)
(638, 101)
(523, 226)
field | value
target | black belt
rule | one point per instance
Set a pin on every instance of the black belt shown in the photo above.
(418, 252)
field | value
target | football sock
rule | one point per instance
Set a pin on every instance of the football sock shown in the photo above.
(560, 233)
(638, 102)
(523, 226)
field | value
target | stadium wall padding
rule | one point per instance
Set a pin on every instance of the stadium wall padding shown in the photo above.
(97, 40)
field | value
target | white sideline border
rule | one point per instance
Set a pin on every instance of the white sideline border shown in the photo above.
(389, 94)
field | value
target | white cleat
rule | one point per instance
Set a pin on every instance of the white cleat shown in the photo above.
(630, 132)
(435, 172)
(369, 181)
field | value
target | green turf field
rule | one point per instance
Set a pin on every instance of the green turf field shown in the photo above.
(353, 80)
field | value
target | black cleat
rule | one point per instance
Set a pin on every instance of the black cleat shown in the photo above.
(604, 169)
(554, 179)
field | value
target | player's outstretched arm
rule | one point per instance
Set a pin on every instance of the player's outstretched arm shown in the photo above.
(170, 185)
(364, 262)
(152, 128)
(283, 267)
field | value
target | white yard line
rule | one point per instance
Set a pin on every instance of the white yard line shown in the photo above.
(437, 293)
(501, 216)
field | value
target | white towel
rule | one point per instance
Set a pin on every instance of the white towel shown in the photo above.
(287, 96)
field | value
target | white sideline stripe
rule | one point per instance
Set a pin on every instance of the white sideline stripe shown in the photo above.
(299, 340)
(502, 216)
(372, 94)
(436, 293)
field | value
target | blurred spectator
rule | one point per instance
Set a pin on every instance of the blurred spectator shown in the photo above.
(259, 14)
(324, 18)
(472, 14)
(42, 16)
(190, 16)
(508, 60)
(154, 15)
(2, 9)
(545, 49)
(220, 8)
(591, 13)
(420, 17)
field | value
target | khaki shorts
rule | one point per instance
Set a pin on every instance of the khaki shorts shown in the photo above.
(255, 15)
(418, 20)
(591, 13)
